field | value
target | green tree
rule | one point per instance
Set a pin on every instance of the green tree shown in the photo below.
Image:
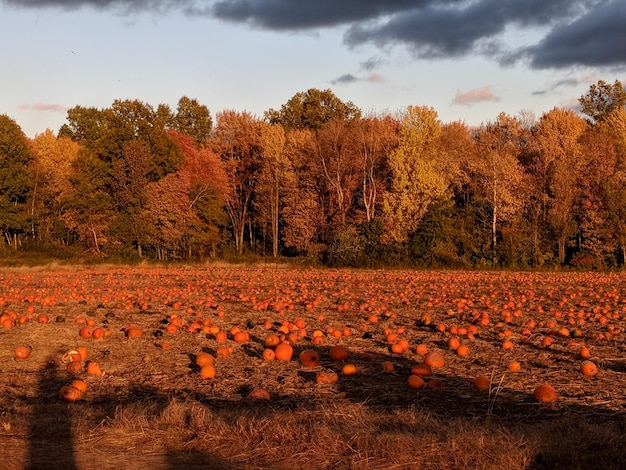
(193, 119)
(15, 158)
(312, 109)
(416, 182)
(602, 99)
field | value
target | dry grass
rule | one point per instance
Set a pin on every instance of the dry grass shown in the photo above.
(151, 410)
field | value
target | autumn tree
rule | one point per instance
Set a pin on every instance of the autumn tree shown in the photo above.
(614, 126)
(416, 182)
(52, 168)
(236, 139)
(336, 154)
(205, 183)
(557, 168)
(15, 158)
(275, 179)
(302, 213)
(374, 139)
(496, 173)
(602, 99)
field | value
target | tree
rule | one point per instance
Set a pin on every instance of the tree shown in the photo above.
(312, 109)
(602, 99)
(15, 158)
(416, 182)
(557, 169)
(336, 154)
(206, 185)
(375, 139)
(302, 213)
(52, 168)
(276, 176)
(236, 139)
(496, 172)
(193, 119)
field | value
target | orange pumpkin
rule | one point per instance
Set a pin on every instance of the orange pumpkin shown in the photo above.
(204, 359)
(415, 381)
(85, 332)
(70, 394)
(74, 367)
(207, 372)
(349, 369)
(434, 359)
(80, 385)
(423, 370)
(284, 352)
(268, 354)
(92, 368)
(326, 377)
(22, 352)
(338, 353)
(309, 358)
(482, 383)
(272, 340)
(259, 394)
(545, 393)
(588, 368)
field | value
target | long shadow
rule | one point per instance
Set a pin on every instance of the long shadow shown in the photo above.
(50, 435)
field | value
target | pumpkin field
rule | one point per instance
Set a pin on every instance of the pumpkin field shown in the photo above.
(276, 367)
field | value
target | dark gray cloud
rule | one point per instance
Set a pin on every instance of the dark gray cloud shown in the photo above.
(597, 38)
(571, 32)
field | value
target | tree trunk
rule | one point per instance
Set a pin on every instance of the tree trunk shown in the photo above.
(95, 238)
(274, 214)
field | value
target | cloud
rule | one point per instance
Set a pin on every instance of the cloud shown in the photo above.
(595, 39)
(348, 78)
(568, 82)
(568, 32)
(344, 79)
(55, 108)
(477, 95)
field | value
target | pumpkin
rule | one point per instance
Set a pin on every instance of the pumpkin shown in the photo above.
(92, 368)
(482, 383)
(338, 353)
(259, 394)
(588, 368)
(349, 369)
(545, 393)
(434, 359)
(423, 370)
(326, 377)
(70, 394)
(309, 358)
(207, 372)
(204, 359)
(415, 381)
(22, 352)
(284, 352)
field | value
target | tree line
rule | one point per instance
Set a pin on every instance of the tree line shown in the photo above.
(320, 179)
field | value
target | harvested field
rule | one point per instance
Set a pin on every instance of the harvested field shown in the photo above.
(151, 408)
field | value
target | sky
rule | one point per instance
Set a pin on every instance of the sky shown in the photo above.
(468, 59)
